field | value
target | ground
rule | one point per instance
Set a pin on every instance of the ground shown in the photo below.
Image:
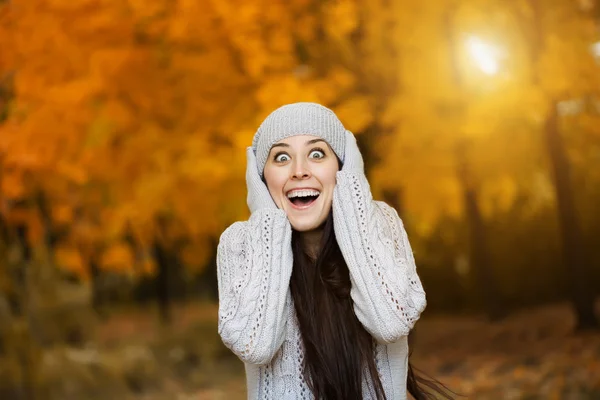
(531, 354)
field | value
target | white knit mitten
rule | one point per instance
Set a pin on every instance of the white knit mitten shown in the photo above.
(353, 161)
(258, 194)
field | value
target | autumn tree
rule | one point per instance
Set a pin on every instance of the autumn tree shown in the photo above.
(533, 71)
(561, 67)
(135, 112)
(154, 102)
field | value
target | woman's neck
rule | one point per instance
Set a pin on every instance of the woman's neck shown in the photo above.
(311, 241)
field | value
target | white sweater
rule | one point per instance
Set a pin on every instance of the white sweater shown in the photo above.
(257, 319)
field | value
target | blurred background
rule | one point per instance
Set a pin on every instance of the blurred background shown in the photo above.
(123, 125)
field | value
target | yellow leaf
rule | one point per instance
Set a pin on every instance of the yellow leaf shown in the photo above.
(355, 113)
(118, 257)
(342, 16)
(70, 259)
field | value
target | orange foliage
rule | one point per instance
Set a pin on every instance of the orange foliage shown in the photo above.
(127, 110)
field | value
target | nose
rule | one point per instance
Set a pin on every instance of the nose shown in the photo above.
(300, 170)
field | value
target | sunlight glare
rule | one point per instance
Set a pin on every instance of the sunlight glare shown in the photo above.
(596, 50)
(484, 55)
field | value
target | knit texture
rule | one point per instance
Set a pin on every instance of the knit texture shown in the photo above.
(258, 194)
(298, 119)
(257, 319)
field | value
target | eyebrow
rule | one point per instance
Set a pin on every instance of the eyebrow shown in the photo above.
(312, 141)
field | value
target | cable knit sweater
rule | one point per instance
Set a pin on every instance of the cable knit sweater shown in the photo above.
(257, 319)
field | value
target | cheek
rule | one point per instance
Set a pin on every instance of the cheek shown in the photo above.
(275, 182)
(327, 176)
(331, 181)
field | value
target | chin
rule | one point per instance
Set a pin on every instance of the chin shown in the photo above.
(306, 226)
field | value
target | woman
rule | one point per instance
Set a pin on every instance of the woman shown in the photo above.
(318, 290)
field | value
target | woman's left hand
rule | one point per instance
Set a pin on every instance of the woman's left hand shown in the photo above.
(353, 160)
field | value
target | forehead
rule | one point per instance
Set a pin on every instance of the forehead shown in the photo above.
(298, 141)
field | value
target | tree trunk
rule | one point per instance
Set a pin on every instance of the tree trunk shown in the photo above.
(51, 234)
(21, 272)
(24, 348)
(208, 278)
(95, 276)
(137, 250)
(573, 247)
(163, 294)
(479, 257)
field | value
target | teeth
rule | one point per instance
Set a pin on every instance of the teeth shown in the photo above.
(303, 193)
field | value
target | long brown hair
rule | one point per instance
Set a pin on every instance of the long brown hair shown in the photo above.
(337, 346)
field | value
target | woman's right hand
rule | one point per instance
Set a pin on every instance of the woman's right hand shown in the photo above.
(258, 194)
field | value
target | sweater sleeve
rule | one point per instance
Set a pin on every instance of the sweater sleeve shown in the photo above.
(254, 265)
(386, 290)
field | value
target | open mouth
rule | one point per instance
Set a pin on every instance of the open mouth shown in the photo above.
(303, 198)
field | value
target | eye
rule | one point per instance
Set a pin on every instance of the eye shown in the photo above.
(316, 153)
(281, 157)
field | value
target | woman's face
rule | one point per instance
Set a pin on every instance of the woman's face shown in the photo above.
(301, 173)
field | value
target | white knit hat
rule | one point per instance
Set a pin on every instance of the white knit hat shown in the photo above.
(298, 119)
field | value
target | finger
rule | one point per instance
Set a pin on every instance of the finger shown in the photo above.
(251, 168)
(351, 141)
(250, 158)
(350, 150)
(352, 153)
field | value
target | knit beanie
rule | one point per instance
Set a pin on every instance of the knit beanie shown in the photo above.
(298, 119)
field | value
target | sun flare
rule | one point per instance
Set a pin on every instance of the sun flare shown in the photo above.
(484, 55)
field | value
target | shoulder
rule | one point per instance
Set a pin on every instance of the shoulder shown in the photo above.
(233, 234)
(388, 221)
(264, 221)
(387, 212)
